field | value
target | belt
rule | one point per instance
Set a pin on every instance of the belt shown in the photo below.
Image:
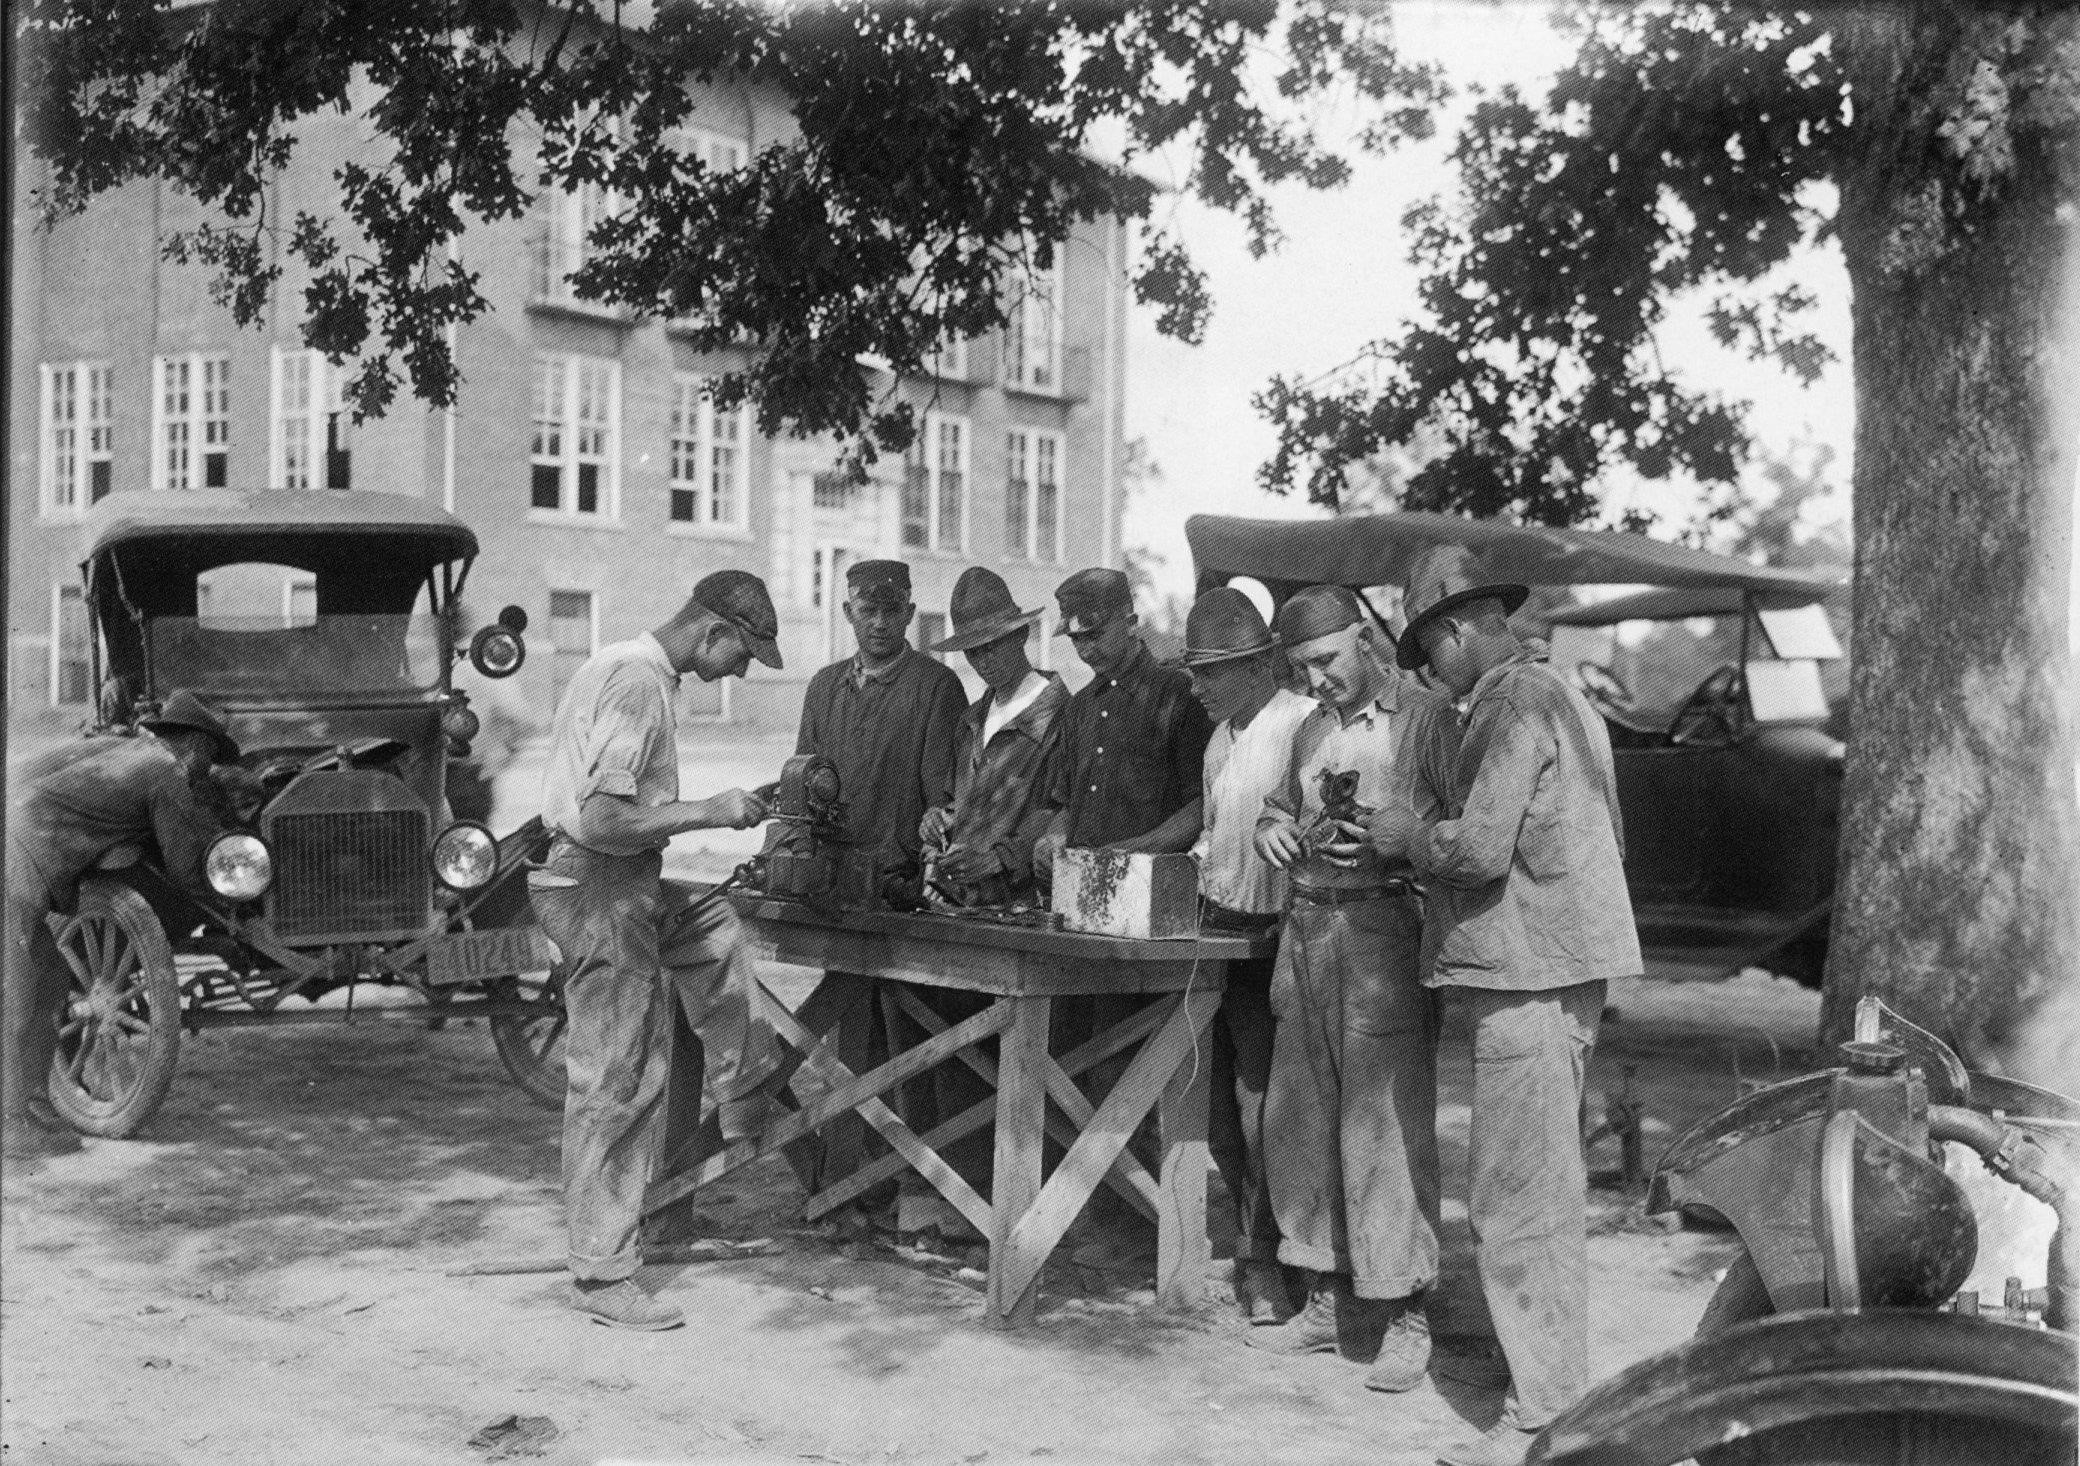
(1305, 895)
(1214, 917)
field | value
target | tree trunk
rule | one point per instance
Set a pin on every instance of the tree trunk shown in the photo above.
(1957, 902)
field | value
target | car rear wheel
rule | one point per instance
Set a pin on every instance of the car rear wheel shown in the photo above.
(531, 1045)
(119, 1031)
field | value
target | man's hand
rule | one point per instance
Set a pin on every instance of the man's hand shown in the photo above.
(1348, 845)
(1391, 828)
(1045, 849)
(1279, 843)
(964, 866)
(739, 809)
(935, 825)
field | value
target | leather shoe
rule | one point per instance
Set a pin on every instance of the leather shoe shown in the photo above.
(1260, 1291)
(1317, 1328)
(1503, 1445)
(1404, 1348)
(621, 1304)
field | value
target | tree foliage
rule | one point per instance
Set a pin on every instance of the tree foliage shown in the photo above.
(1688, 147)
(934, 139)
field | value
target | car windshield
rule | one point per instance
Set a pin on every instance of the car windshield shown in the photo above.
(328, 656)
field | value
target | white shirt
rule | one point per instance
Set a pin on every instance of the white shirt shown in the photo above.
(616, 733)
(1242, 769)
(1003, 710)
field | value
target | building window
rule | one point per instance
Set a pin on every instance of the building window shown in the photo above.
(1033, 495)
(307, 447)
(564, 241)
(573, 636)
(576, 462)
(833, 489)
(1033, 340)
(935, 486)
(191, 422)
(711, 471)
(950, 361)
(71, 657)
(78, 421)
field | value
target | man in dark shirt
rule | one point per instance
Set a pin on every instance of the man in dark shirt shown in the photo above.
(887, 716)
(79, 802)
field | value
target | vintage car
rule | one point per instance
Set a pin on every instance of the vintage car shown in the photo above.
(1729, 787)
(341, 867)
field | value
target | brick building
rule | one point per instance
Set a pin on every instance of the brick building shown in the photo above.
(599, 480)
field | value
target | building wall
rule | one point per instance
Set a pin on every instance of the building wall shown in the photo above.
(96, 289)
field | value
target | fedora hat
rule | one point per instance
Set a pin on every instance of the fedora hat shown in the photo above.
(982, 611)
(1223, 625)
(1442, 578)
(183, 709)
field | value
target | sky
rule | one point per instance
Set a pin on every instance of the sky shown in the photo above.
(1343, 279)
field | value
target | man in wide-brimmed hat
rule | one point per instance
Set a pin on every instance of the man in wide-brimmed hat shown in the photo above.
(75, 804)
(1350, 1134)
(1232, 659)
(887, 717)
(631, 941)
(1528, 889)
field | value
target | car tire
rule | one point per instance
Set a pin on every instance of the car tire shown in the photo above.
(119, 1032)
(531, 1048)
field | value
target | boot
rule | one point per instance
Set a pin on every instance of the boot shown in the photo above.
(1260, 1291)
(1315, 1329)
(1404, 1349)
(621, 1304)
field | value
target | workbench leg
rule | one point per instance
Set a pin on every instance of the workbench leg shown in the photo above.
(1021, 1117)
(1182, 1249)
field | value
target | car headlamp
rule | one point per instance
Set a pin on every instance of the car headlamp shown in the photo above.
(239, 866)
(465, 857)
(497, 651)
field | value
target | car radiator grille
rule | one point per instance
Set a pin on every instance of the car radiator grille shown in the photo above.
(341, 875)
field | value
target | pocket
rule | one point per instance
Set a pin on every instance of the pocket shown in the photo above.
(1383, 976)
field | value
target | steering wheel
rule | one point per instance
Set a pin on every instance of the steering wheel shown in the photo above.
(1708, 714)
(1604, 688)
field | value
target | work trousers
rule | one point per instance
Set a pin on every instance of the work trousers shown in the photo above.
(1527, 1183)
(623, 933)
(1237, 1080)
(35, 987)
(1350, 1123)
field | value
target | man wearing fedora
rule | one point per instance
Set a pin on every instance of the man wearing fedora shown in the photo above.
(76, 804)
(1231, 658)
(886, 717)
(981, 841)
(1350, 1124)
(1522, 853)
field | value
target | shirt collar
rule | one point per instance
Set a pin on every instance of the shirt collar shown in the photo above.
(862, 674)
(651, 650)
(1494, 675)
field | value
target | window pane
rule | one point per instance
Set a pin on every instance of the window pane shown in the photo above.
(1017, 495)
(588, 488)
(546, 492)
(953, 485)
(546, 487)
(917, 503)
(1047, 503)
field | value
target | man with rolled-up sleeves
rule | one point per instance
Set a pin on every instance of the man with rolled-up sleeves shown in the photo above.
(1524, 865)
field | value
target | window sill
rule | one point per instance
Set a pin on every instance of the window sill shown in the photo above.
(1061, 395)
(570, 519)
(730, 533)
(589, 310)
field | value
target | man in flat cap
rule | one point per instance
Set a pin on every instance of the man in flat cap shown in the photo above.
(886, 716)
(980, 843)
(74, 805)
(1350, 1128)
(631, 940)
(1515, 827)
(1232, 659)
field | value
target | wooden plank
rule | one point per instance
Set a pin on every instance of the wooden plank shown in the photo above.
(1182, 1249)
(1128, 1176)
(1040, 1228)
(976, 931)
(848, 1091)
(1076, 1061)
(1021, 1100)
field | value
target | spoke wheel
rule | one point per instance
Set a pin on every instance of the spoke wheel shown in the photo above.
(531, 1048)
(119, 1028)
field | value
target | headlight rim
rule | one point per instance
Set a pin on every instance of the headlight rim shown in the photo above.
(209, 874)
(448, 832)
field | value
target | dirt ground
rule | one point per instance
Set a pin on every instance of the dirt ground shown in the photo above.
(266, 1278)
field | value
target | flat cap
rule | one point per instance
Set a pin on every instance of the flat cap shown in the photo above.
(1317, 610)
(879, 582)
(1088, 597)
(741, 598)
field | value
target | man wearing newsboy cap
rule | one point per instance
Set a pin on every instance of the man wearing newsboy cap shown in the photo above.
(610, 796)
(1522, 855)
(1350, 1128)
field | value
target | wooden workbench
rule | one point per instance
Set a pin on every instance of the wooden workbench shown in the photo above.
(1024, 970)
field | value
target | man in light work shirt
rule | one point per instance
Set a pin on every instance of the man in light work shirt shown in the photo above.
(1350, 1128)
(886, 716)
(1522, 853)
(610, 795)
(1230, 655)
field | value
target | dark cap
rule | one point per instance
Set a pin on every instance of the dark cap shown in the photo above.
(982, 611)
(1317, 610)
(1223, 626)
(740, 598)
(878, 582)
(183, 709)
(1443, 578)
(1089, 597)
